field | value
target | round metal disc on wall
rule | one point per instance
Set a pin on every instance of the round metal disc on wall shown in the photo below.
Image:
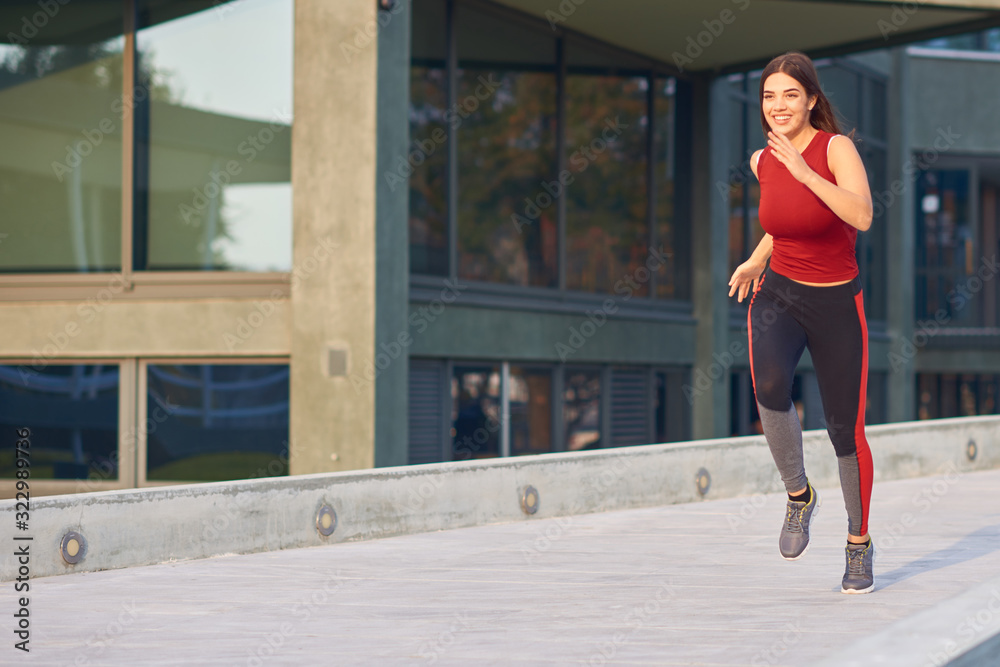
(73, 547)
(703, 480)
(326, 521)
(529, 500)
(971, 450)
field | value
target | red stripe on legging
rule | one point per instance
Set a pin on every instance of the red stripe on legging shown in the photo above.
(753, 380)
(866, 469)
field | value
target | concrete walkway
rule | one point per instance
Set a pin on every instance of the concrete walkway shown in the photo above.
(696, 584)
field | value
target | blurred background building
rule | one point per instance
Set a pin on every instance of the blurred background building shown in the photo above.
(269, 237)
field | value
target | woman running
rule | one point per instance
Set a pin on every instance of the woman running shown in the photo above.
(814, 197)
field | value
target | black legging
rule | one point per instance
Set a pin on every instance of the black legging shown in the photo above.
(784, 318)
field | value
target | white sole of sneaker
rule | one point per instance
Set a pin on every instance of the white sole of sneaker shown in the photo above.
(819, 503)
(861, 591)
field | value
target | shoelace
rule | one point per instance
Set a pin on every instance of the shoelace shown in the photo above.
(856, 561)
(793, 519)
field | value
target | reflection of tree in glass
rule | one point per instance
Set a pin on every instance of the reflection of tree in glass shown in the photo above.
(607, 232)
(429, 161)
(506, 150)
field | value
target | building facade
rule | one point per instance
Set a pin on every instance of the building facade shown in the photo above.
(266, 237)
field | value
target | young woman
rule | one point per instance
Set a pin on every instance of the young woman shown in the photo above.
(814, 198)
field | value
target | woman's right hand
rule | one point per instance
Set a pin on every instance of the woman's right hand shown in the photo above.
(746, 275)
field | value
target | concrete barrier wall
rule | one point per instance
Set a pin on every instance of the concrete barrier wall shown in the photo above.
(145, 526)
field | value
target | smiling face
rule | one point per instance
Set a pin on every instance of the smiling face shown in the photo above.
(785, 104)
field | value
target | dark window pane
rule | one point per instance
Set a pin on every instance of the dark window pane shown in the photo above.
(427, 161)
(530, 398)
(740, 174)
(475, 415)
(877, 106)
(72, 412)
(582, 409)
(428, 45)
(507, 180)
(60, 125)
(945, 248)
(871, 245)
(664, 149)
(607, 234)
(842, 88)
(429, 179)
(216, 422)
(215, 132)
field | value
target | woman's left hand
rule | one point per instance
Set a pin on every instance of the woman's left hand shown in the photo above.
(781, 147)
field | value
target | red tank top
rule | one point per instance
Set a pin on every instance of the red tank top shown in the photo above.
(811, 243)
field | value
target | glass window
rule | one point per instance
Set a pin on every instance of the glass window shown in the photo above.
(530, 396)
(507, 178)
(665, 150)
(61, 127)
(944, 395)
(582, 409)
(216, 422)
(427, 161)
(213, 134)
(945, 247)
(843, 88)
(72, 413)
(475, 413)
(607, 231)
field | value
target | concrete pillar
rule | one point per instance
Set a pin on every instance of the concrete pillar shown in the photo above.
(392, 238)
(901, 392)
(332, 419)
(709, 389)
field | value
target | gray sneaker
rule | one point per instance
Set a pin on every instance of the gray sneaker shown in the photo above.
(794, 540)
(858, 577)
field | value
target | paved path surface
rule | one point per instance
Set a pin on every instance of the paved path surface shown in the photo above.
(698, 584)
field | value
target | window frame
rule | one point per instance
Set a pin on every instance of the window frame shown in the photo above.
(141, 284)
(126, 452)
(518, 296)
(141, 415)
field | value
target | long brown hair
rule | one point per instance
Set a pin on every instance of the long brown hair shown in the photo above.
(798, 66)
